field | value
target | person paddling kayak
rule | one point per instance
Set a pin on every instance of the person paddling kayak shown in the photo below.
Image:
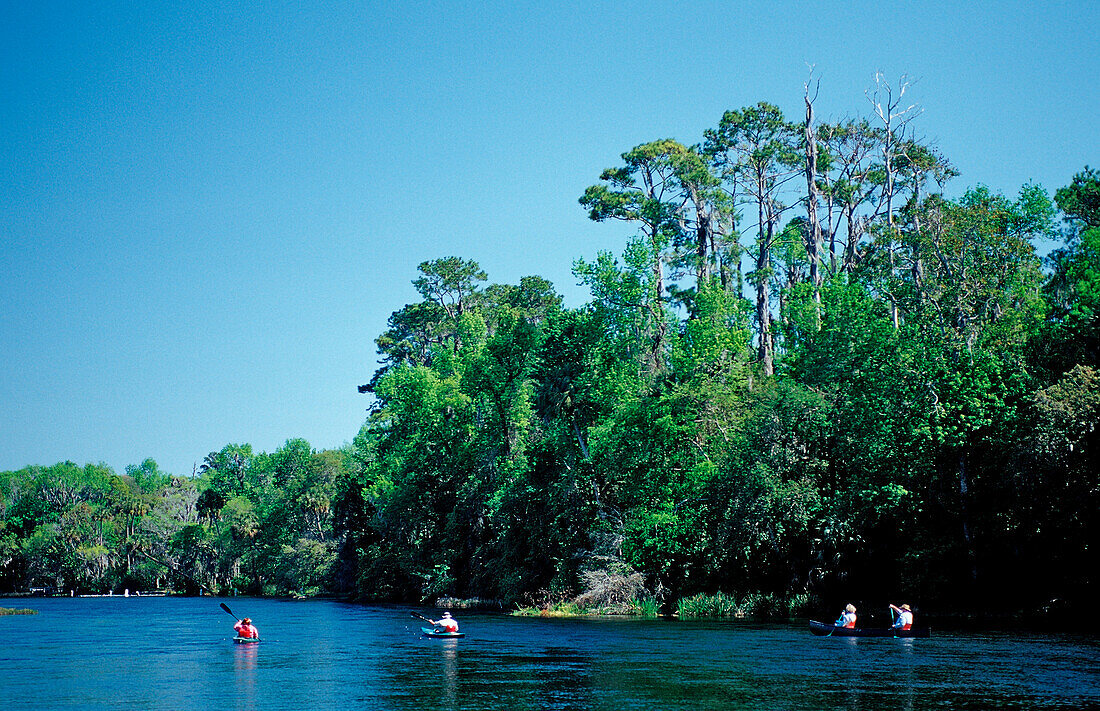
(847, 618)
(446, 623)
(245, 629)
(904, 619)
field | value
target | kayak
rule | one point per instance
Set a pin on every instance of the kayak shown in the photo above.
(246, 640)
(429, 632)
(822, 629)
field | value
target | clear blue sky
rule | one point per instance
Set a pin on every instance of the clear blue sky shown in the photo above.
(208, 210)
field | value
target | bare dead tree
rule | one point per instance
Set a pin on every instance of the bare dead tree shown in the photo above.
(813, 231)
(895, 117)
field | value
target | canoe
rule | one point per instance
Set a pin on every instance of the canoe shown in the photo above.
(821, 629)
(429, 632)
(246, 640)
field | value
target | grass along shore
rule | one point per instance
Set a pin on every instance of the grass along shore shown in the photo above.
(719, 605)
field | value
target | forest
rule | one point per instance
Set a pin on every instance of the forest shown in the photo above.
(810, 376)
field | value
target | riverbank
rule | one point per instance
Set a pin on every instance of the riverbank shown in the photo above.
(750, 609)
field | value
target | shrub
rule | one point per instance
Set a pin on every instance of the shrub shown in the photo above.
(718, 605)
(473, 603)
(760, 605)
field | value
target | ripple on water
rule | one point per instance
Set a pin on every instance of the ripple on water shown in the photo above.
(176, 653)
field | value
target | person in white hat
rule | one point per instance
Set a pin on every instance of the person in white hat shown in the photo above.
(904, 619)
(447, 623)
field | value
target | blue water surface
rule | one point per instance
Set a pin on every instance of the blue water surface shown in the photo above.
(177, 653)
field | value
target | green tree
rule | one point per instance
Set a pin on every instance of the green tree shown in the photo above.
(1072, 336)
(229, 471)
(754, 148)
(847, 179)
(645, 191)
(978, 305)
(452, 284)
(413, 331)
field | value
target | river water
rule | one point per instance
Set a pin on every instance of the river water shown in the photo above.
(176, 654)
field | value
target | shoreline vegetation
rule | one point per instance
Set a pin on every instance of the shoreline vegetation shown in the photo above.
(750, 608)
(811, 376)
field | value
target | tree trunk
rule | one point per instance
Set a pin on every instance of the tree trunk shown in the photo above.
(964, 509)
(580, 439)
(763, 296)
(854, 233)
(657, 309)
(813, 234)
(702, 240)
(918, 260)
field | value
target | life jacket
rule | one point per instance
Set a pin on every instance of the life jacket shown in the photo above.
(851, 623)
(246, 631)
(449, 624)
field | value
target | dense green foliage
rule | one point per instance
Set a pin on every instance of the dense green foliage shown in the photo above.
(810, 376)
(259, 523)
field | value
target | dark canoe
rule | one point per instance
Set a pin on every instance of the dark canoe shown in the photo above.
(246, 640)
(429, 632)
(822, 629)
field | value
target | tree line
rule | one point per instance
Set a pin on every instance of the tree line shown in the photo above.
(244, 522)
(809, 374)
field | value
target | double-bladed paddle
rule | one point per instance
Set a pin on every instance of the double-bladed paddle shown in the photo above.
(226, 608)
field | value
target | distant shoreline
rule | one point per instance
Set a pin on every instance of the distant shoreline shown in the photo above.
(952, 620)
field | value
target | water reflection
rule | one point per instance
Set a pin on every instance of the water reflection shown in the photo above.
(570, 686)
(244, 668)
(904, 645)
(868, 673)
(449, 674)
(488, 673)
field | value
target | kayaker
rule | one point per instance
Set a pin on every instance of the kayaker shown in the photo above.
(847, 617)
(245, 629)
(904, 620)
(447, 623)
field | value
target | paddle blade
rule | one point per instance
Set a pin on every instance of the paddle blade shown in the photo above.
(226, 608)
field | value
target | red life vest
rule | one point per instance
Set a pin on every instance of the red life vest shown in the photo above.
(246, 631)
(851, 624)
